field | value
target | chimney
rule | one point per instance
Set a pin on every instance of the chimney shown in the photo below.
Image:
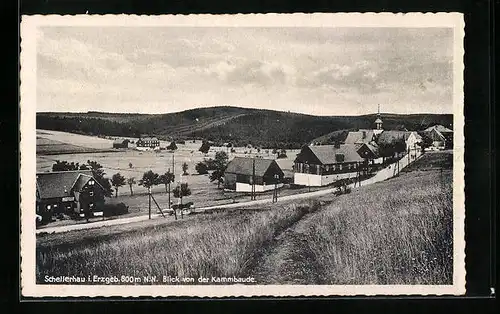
(364, 134)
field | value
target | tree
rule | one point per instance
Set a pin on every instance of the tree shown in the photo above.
(117, 180)
(64, 166)
(130, 182)
(130, 165)
(98, 173)
(172, 146)
(167, 178)
(282, 154)
(201, 167)
(181, 191)
(185, 168)
(275, 151)
(220, 164)
(149, 179)
(205, 147)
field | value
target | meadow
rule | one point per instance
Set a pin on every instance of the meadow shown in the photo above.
(132, 164)
(224, 244)
(394, 232)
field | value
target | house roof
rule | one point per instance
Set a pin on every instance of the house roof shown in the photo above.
(148, 139)
(60, 184)
(327, 153)
(358, 137)
(438, 128)
(243, 165)
(120, 141)
(372, 147)
(390, 137)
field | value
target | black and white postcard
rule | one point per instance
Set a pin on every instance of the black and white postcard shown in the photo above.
(242, 155)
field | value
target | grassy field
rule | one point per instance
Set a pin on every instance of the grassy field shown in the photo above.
(222, 243)
(394, 232)
(399, 232)
(204, 192)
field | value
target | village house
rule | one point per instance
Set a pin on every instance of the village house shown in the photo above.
(370, 152)
(442, 137)
(148, 142)
(68, 192)
(242, 171)
(120, 143)
(324, 164)
(360, 137)
(395, 144)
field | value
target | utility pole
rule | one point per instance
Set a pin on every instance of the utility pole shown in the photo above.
(169, 191)
(275, 192)
(149, 194)
(253, 179)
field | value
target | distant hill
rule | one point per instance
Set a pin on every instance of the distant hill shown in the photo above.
(266, 128)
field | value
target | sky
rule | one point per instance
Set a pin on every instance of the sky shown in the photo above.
(312, 70)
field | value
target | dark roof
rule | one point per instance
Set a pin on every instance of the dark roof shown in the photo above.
(372, 147)
(148, 139)
(327, 153)
(120, 141)
(60, 184)
(390, 137)
(358, 137)
(243, 165)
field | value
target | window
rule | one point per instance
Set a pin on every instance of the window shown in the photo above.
(349, 166)
(91, 193)
(48, 206)
(334, 168)
(340, 167)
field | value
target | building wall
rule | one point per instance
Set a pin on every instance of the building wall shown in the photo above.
(318, 180)
(245, 187)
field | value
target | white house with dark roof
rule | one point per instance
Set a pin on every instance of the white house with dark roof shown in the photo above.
(441, 136)
(68, 192)
(241, 172)
(324, 164)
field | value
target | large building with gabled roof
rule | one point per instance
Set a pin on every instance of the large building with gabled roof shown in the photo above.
(324, 164)
(68, 192)
(242, 172)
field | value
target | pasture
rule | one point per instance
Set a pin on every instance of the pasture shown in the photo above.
(399, 231)
(204, 192)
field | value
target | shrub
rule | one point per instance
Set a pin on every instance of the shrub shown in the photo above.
(115, 209)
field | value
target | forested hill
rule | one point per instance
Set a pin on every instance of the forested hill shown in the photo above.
(229, 124)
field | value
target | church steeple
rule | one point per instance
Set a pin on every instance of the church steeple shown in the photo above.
(378, 121)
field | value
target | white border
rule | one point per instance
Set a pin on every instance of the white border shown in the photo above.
(29, 25)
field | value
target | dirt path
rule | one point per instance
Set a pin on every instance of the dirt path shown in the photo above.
(288, 259)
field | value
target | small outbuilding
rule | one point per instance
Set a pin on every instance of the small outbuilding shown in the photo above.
(266, 174)
(120, 143)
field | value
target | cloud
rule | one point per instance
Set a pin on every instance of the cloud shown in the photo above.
(334, 71)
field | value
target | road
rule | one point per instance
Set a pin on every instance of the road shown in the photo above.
(382, 175)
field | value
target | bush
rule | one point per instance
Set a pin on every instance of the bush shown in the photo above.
(115, 209)
(202, 168)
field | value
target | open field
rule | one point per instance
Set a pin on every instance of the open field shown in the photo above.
(394, 232)
(204, 192)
